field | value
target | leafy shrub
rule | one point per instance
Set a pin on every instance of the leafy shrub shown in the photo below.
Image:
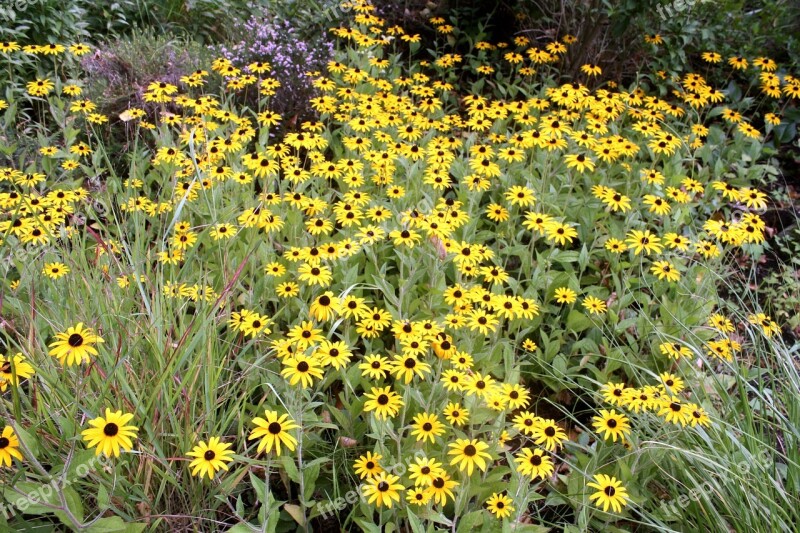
(120, 71)
(265, 37)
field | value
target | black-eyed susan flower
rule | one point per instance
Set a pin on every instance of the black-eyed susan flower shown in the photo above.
(664, 270)
(423, 471)
(673, 410)
(384, 402)
(368, 465)
(548, 434)
(273, 430)
(40, 87)
(9, 446)
(698, 416)
(222, 231)
(565, 295)
(441, 488)
(418, 496)
(610, 493)
(591, 69)
(534, 463)
(613, 393)
(382, 490)
(594, 305)
(500, 505)
(560, 233)
(375, 366)
(333, 353)
(75, 345)
(315, 274)
(469, 453)
(427, 427)
(305, 335)
(675, 350)
(671, 383)
(209, 458)
(302, 369)
(456, 414)
(516, 395)
(611, 425)
(520, 195)
(325, 307)
(644, 241)
(287, 289)
(110, 433)
(13, 369)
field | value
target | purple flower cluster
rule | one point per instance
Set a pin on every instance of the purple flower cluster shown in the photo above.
(280, 43)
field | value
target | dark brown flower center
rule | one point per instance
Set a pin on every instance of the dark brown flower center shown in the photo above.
(274, 428)
(111, 429)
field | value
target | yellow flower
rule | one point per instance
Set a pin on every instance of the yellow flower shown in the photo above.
(382, 490)
(610, 493)
(274, 431)
(9, 446)
(110, 433)
(468, 454)
(75, 345)
(40, 87)
(210, 458)
(594, 305)
(500, 505)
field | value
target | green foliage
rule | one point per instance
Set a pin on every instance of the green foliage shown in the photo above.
(206, 21)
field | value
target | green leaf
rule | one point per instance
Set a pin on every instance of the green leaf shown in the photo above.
(291, 468)
(470, 522)
(115, 524)
(577, 321)
(295, 512)
(74, 504)
(102, 498)
(414, 522)
(241, 528)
